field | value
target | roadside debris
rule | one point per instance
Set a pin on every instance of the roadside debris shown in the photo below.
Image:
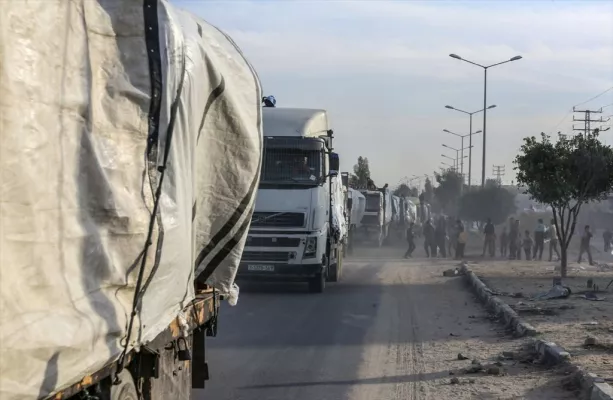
(556, 292)
(452, 272)
(462, 357)
(590, 341)
(592, 297)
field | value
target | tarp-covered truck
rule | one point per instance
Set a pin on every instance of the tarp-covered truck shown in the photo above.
(130, 155)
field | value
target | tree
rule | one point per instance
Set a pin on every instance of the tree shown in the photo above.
(492, 201)
(403, 190)
(565, 175)
(449, 188)
(428, 193)
(361, 173)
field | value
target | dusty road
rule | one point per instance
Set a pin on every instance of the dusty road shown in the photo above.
(391, 329)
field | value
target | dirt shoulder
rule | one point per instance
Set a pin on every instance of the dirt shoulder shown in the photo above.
(569, 321)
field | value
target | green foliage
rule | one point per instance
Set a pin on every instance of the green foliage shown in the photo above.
(404, 190)
(449, 187)
(492, 201)
(565, 174)
(428, 193)
(361, 173)
(572, 170)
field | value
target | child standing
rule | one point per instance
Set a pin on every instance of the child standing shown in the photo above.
(528, 244)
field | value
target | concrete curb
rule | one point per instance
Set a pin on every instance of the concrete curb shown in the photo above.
(497, 306)
(549, 352)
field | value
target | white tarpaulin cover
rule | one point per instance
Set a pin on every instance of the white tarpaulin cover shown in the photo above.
(358, 206)
(339, 220)
(86, 108)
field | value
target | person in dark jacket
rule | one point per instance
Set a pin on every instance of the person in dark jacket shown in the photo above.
(607, 237)
(429, 242)
(585, 245)
(489, 244)
(410, 240)
(539, 240)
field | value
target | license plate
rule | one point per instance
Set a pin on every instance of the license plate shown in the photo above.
(260, 267)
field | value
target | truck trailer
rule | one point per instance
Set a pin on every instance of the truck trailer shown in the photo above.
(298, 231)
(130, 155)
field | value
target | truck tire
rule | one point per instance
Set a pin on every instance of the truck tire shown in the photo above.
(126, 389)
(317, 284)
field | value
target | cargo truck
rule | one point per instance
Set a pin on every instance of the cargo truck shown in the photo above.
(298, 231)
(130, 154)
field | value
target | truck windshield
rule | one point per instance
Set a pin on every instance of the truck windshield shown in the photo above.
(291, 165)
(373, 202)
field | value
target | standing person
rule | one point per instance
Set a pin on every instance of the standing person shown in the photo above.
(410, 240)
(607, 236)
(528, 243)
(429, 244)
(518, 240)
(585, 245)
(440, 234)
(553, 240)
(539, 239)
(513, 237)
(460, 241)
(504, 242)
(490, 238)
(452, 236)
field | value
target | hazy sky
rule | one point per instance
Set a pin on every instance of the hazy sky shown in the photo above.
(382, 70)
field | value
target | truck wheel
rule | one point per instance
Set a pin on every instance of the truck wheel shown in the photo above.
(317, 284)
(126, 389)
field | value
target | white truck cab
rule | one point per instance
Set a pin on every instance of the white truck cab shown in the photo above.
(298, 229)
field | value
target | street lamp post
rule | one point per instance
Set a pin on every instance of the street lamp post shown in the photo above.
(457, 155)
(453, 160)
(485, 68)
(469, 150)
(470, 137)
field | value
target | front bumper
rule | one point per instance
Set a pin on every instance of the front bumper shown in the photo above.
(269, 272)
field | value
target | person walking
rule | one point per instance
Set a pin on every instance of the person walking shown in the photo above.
(504, 242)
(607, 237)
(585, 245)
(528, 243)
(518, 240)
(410, 240)
(452, 236)
(553, 240)
(429, 243)
(460, 241)
(489, 244)
(440, 234)
(539, 239)
(513, 239)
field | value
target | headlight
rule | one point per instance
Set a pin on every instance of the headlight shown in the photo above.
(310, 249)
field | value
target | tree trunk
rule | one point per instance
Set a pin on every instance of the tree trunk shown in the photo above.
(563, 260)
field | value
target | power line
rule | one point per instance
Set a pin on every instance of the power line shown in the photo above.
(577, 105)
(595, 97)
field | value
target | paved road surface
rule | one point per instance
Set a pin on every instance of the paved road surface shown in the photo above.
(391, 329)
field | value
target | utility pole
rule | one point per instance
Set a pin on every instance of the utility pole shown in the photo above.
(498, 172)
(587, 121)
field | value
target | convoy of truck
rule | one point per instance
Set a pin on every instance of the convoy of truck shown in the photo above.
(140, 176)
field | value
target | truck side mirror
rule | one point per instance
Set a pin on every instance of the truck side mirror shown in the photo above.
(334, 164)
